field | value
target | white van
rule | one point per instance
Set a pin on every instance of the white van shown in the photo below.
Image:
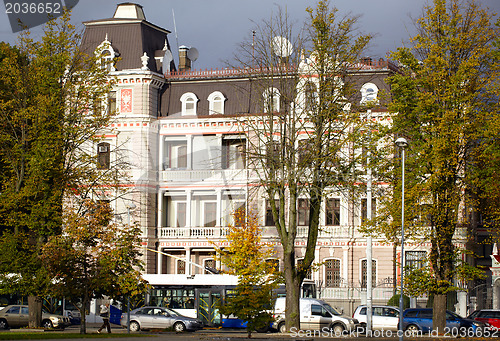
(314, 315)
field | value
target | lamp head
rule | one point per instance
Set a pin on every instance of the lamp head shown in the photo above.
(401, 142)
(130, 206)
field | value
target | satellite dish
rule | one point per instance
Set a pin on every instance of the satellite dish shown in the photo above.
(282, 47)
(193, 54)
(167, 59)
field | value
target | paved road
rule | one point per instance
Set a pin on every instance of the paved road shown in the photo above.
(223, 335)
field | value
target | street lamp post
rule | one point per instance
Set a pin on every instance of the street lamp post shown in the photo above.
(130, 206)
(402, 143)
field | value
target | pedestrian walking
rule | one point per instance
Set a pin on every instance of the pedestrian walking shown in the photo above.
(104, 313)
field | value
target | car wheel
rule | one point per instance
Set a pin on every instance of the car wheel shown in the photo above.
(179, 327)
(134, 326)
(338, 329)
(282, 327)
(47, 324)
(4, 324)
(412, 328)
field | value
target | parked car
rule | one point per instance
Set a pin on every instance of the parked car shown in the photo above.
(421, 319)
(383, 317)
(16, 316)
(490, 318)
(314, 314)
(161, 318)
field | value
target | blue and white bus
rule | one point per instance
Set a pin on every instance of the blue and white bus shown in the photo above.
(197, 296)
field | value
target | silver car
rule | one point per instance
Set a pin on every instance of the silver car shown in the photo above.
(17, 316)
(160, 318)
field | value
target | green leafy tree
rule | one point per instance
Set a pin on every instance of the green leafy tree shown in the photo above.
(245, 257)
(47, 128)
(446, 100)
(298, 145)
(93, 257)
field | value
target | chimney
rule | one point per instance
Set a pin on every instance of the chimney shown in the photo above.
(184, 62)
(366, 61)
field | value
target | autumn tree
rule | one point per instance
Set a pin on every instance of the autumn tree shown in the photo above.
(301, 146)
(446, 100)
(52, 109)
(94, 257)
(245, 257)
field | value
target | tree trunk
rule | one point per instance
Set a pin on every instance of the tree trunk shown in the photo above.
(292, 313)
(35, 311)
(83, 314)
(438, 318)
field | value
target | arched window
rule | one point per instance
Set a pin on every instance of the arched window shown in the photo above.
(216, 103)
(209, 265)
(332, 273)
(274, 263)
(181, 267)
(310, 96)
(189, 102)
(271, 100)
(369, 92)
(364, 272)
(299, 265)
(103, 155)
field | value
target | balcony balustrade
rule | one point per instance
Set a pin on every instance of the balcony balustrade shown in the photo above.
(267, 232)
(192, 232)
(208, 175)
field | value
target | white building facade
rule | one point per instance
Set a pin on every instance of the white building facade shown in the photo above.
(179, 133)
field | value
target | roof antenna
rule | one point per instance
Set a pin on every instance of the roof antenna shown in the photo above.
(175, 30)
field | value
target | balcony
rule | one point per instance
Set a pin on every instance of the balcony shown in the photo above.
(327, 232)
(192, 232)
(205, 175)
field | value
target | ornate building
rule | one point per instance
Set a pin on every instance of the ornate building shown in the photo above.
(179, 133)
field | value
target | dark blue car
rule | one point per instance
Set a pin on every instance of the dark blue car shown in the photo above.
(419, 319)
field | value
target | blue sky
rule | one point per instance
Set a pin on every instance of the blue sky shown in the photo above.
(216, 27)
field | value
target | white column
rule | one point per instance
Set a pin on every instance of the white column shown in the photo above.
(188, 208)
(161, 198)
(189, 147)
(219, 208)
(160, 261)
(188, 261)
(345, 263)
(160, 154)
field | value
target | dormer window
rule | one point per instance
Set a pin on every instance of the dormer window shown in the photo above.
(369, 92)
(106, 55)
(189, 102)
(216, 103)
(271, 100)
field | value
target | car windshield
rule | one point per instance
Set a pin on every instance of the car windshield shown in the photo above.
(331, 309)
(453, 314)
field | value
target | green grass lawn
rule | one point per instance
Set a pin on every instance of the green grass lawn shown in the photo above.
(55, 335)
